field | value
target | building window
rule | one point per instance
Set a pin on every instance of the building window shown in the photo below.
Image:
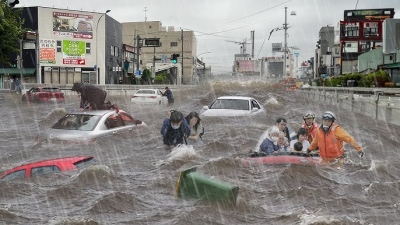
(88, 48)
(370, 29)
(59, 46)
(174, 44)
(351, 46)
(114, 51)
(350, 30)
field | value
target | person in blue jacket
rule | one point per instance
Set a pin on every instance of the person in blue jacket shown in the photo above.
(175, 129)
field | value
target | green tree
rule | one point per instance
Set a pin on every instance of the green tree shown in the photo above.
(11, 31)
(146, 76)
(161, 78)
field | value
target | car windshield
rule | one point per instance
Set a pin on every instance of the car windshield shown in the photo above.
(151, 92)
(85, 163)
(51, 89)
(77, 122)
(236, 104)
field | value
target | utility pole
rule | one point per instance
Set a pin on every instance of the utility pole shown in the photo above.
(20, 61)
(137, 52)
(182, 55)
(285, 43)
(153, 71)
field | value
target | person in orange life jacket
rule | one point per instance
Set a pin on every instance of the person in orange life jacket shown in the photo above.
(310, 125)
(329, 139)
(175, 128)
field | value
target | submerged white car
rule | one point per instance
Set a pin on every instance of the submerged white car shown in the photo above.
(151, 96)
(233, 106)
(86, 126)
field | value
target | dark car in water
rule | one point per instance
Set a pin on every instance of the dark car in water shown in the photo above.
(47, 167)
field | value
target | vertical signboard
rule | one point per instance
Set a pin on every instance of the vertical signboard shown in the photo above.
(72, 25)
(74, 52)
(47, 51)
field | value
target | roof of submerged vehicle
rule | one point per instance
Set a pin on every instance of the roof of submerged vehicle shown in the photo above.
(72, 160)
(235, 97)
(91, 112)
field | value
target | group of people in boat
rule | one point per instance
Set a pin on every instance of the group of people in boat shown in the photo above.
(326, 139)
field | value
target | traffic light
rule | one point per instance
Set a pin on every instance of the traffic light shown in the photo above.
(174, 58)
(12, 3)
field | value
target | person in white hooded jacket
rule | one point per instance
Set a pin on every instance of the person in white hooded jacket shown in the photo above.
(269, 145)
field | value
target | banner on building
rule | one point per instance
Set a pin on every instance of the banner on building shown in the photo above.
(73, 52)
(47, 51)
(72, 25)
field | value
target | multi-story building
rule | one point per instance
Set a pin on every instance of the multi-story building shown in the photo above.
(323, 53)
(180, 42)
(71, 46)
(360, 32)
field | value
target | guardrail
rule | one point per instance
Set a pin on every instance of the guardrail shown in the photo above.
(112, 89)
(379, 103)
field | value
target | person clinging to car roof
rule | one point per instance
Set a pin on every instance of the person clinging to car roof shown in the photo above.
(92, 97)
(175, 128)
(329, 139)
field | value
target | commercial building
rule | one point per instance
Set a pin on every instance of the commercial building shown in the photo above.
(360, 31)
(67, 46)
(171, 41)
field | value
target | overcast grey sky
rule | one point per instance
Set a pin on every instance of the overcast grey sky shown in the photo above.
(215, 21)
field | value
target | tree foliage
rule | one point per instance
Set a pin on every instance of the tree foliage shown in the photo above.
(11, 31)
(146, 76)
(377, 79)
(162, 78)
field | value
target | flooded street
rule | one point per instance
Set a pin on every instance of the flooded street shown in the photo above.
(134, 182)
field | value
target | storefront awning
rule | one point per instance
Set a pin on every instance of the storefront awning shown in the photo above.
(391, 66)
(16, 71)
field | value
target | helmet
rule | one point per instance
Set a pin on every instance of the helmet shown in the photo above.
(328, 115)
(176, 116)
(309, 115)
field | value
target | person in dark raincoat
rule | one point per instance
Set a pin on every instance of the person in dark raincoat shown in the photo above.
(169, 95)
(92, 97)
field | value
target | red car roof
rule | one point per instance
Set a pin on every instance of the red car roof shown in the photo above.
(64, 164)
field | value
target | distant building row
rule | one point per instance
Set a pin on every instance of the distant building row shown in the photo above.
(67, 46)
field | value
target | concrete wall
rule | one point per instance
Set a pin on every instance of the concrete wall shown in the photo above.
(372, 102)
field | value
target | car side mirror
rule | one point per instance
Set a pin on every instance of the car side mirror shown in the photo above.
(205, 107)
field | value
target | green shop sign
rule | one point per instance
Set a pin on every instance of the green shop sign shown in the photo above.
(74, 48)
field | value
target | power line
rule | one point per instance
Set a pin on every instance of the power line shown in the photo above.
(356, 4)
(260, 11)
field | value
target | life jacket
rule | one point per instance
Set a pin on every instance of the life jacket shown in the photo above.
(310, 131)
(329, 146)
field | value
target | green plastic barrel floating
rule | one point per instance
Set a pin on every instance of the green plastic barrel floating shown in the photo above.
(196, 185)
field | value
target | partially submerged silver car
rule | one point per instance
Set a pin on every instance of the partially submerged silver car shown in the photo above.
(87, 126)
(227, 106)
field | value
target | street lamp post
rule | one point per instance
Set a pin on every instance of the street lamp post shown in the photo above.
(97, 27)
(204, 65)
